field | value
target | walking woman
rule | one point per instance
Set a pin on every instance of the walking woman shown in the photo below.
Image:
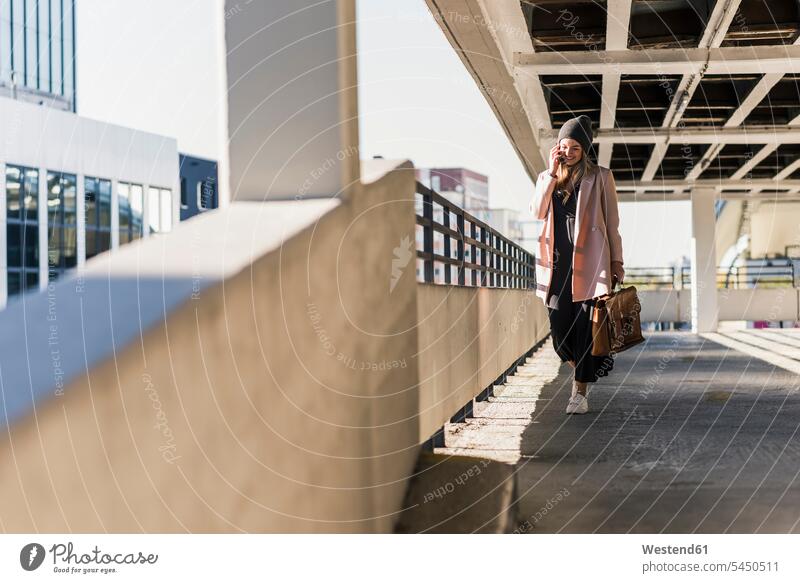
(580, 251)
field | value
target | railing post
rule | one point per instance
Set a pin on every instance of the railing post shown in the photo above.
(427, 235)
(490, 252)
(484, 279)
(473, 256)
(513, 266)
(502, 263)
(525, 270)
(460, 219)
(506, 264)
(447, 252)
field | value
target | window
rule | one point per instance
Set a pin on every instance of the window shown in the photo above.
(131, 212)
(22, 228)
(159, 202)
(62, 222)
(98, 216)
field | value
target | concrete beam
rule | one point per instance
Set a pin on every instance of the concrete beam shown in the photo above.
(679, 195)
(292, 99)
(756, 95)
(507, 25)
(517, 103)
(754, 161)
(714, 34)
(698, 61)
(761, 155)
(617, 24)
(722, 183)
(738, 135)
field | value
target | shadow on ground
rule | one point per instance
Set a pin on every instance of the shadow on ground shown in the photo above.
(685, 435)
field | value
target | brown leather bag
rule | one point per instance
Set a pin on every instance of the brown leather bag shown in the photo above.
(615, 321)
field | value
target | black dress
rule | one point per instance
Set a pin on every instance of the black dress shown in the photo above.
(570, 322)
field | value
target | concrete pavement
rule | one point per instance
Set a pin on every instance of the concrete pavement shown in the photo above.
(685, 435)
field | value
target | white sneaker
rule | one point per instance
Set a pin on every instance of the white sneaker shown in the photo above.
(578, 405)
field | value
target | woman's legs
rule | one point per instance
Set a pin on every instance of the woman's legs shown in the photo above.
(568, 331)
(578, 388)
(560, 325)
(585, 369)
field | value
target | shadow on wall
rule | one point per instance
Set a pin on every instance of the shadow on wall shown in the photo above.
(257, 369)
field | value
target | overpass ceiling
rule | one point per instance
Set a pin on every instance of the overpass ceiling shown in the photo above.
(683, 100)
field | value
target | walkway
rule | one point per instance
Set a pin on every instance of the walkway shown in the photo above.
(686, 435)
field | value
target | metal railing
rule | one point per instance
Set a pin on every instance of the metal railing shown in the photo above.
(737, 277)
(650, 277)
(471, 248)
(749, 276)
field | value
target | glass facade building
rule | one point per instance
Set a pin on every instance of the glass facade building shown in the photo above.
(63, 200)
(106, 213)
(22, 228)
(37, 49)
(97, 201)
(131, 212)
(62, 223)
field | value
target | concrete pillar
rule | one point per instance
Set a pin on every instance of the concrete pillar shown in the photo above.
(705, 312)
(292, 99)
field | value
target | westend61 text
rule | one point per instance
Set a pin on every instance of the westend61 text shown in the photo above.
(673, 550)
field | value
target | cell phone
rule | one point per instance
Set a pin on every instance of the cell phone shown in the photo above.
(561, 159)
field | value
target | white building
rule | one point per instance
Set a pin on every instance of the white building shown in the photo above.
(70, 187)
(77, 187)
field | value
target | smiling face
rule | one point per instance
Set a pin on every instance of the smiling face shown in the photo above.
(571, 150)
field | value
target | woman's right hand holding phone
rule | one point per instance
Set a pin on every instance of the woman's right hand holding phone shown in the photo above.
(555, 159)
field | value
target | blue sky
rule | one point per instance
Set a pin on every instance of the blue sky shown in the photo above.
(153, 65)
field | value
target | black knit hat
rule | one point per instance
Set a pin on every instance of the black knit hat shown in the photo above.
(579, 129)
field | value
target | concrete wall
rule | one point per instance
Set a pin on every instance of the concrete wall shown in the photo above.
(260, 369)
(759, 304)
(734, 304)
(727, 228)
(467, 338)
(773, 226)
(254, 396)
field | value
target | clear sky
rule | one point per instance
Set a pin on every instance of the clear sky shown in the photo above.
(152, 65)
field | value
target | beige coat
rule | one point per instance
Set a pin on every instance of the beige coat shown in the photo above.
(597, 240)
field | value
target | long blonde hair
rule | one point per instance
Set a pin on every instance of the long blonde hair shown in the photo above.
(568, 177)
